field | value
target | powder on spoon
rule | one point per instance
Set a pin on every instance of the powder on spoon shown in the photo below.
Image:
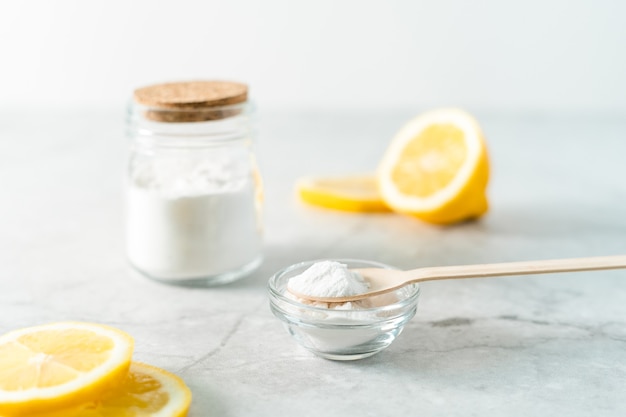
(329, 279)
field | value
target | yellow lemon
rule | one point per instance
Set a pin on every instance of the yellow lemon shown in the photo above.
(349, 193)
(147, 391)
(57, 365)
(436, 168)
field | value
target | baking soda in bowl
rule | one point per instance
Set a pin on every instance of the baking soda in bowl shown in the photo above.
(339, 331)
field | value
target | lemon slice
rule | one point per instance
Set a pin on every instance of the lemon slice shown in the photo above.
(436, 168)
(147, 391)
(57, 365)
(350, 193)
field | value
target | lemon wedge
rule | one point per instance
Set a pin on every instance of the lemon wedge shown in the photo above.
(436, 168)
(357, 193)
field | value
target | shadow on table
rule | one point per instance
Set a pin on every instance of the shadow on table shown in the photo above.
(459, 347)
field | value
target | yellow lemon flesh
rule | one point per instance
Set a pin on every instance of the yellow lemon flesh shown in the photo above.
(436, 168)
(60, 364)
(147, 391)
(357, 193)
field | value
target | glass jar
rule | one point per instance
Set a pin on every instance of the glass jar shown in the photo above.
(193, 214)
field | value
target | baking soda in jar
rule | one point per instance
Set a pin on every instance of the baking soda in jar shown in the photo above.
(193, 190)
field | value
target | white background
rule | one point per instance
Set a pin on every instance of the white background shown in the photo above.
(532, 55)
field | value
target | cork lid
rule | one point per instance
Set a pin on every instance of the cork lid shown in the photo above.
(191, 101)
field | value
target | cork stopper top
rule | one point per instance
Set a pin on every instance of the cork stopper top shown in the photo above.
(191, 101)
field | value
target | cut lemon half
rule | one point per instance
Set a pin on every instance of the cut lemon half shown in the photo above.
(436, 168)
(147, 391)
(61, 364)
(349, 193)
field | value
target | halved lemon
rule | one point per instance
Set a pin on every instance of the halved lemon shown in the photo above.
(349, 193)
(57, 365)
(436, 168)
(147, 391)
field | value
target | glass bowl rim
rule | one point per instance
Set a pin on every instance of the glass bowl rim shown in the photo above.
(409, 300)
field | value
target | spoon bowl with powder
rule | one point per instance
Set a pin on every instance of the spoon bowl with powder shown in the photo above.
(335, 286)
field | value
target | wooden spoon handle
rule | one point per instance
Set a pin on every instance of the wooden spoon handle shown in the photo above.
(517, 268)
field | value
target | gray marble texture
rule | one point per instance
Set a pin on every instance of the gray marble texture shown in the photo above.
(518, 346)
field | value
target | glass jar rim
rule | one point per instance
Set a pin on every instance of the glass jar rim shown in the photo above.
(221, 124)
(185, 115)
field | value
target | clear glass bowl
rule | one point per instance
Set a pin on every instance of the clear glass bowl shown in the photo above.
(340, 333)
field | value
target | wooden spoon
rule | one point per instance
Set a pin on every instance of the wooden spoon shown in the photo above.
(386, 280)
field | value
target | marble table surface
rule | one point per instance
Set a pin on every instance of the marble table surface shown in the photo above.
(518, 346)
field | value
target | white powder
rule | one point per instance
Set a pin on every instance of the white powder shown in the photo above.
(188, 220)
(329, 279)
